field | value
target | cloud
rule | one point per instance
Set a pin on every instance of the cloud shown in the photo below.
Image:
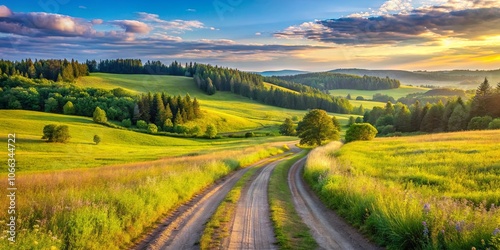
(132, 26)
(258, 33)
(82, 7)
(97, 21)
(175, 26)
(4, 11)
(44, 24)
(191, 10)
(421, 25)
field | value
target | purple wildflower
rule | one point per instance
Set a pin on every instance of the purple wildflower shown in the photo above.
(427, 208)
(426, 229)
(496, 231)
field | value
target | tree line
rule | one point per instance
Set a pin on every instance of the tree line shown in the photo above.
(212, 79)
(329, 81)
(135, 66)
(51, 69)
(481, 112)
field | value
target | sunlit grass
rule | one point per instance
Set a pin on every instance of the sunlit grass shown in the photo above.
(423, 192)
(230, 112)
(109, 207)
(117, 146)
(368, 94)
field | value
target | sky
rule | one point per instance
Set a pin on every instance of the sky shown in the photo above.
(259, 35)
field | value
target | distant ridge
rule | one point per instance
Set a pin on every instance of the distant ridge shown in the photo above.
(462, 77)
(285, 72)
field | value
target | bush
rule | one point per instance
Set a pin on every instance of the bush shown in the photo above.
(126, 123)
(56, 133)
(360, 132)
(69, 108)
(179, 129)
(97, 139)
(479, 123)
(152, 128)
(249, 134)
(211, 131)
(99, 115)
(141, 124)
(360, 98)
(495, 124)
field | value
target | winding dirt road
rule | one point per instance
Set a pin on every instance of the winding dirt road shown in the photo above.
(252, 227)
(328, 229)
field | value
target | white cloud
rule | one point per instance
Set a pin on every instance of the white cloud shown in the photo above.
(4, 11)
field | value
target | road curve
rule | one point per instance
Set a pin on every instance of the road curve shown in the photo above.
(252, 227)
(328, 229)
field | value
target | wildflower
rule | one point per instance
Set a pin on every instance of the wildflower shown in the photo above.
(53, 248)
(458, 226)
(36, 242)
(496, 231)
(427, 208)
(426, 229)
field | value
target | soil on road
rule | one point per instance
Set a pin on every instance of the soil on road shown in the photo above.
(329, 230)
(252, 227)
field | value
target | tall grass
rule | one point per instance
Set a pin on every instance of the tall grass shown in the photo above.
(423, 192)
(109, 207)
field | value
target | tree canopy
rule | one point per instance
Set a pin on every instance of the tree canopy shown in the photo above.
(316, 127)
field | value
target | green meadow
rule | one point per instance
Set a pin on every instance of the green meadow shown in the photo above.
(117, 146)
(402, 91)
(438, 191)
(230, 112)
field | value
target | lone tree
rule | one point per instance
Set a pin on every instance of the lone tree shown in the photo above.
(99, 115)
(56, 133)
(69, 108)
(360, 132)
(97, 139)
(211, 131)
(316, 127)
(287, 128)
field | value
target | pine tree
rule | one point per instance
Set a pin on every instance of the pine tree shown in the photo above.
(196, 108)
(402, 120)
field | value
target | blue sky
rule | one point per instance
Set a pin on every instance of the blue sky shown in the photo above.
(261, 34)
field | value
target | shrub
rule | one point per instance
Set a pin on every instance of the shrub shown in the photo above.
(249, 134)
(211, 131)
(56, 133)
(479, 123)
(196, 130)
(360, 98)
(152, 128)
(495, 124)
(69, 108)
(99, 115)
(126, 123)
(141, 124)
(360, 132)
(97, 139)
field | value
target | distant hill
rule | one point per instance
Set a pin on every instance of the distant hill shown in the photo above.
(285, 72)
(456, 78)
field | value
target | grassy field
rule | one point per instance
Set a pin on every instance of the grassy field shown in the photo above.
(439, 191)
(367, 105)
(290, 230)
(269, 85)
(230, 112)
(109, 207)
(368, 94)
(117, 146)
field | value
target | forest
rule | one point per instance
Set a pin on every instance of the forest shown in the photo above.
(51, 69)
(482, 112)
(18, 92)
(329, 81)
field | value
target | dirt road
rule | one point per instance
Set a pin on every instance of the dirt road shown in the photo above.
(328, 229)
(184, 228)
(252, 228)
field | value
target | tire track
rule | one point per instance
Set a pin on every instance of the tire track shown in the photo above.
(329, 230)
(252, 227)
